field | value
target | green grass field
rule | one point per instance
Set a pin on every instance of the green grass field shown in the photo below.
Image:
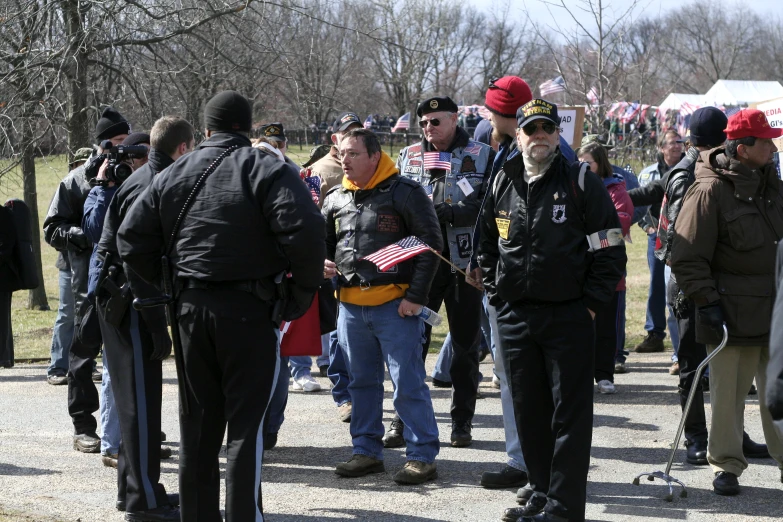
(33, 329)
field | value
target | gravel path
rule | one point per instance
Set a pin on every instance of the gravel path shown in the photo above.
(40, 473)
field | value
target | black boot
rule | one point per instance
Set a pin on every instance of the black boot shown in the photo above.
(460, 434)
(393, 437)
(753, 450)
(726, 484)
(696, 452)
(508, 477)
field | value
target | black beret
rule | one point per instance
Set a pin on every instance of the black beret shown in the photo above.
(436, 104)
(111, 124)
(137, 138)
(273, 131)
(228, 111)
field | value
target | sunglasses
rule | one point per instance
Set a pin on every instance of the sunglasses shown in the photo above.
(532, 128)
(434, 122)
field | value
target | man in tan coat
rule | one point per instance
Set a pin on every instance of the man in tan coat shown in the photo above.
(723, 257)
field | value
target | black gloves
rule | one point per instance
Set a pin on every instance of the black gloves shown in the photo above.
(445, 212)
(162, 344)
(76, 240)
(709, 324)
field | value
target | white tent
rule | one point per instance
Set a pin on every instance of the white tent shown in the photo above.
(675, 101)
(737, 92)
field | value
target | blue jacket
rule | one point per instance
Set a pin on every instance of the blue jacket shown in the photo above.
(95, 208)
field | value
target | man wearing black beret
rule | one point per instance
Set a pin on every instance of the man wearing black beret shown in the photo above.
(452, 169)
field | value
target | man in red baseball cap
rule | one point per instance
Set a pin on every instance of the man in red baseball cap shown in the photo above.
(723, 257)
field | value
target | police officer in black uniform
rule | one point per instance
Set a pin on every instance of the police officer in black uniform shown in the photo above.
(546, 279)
(138, 342)
(252, 220)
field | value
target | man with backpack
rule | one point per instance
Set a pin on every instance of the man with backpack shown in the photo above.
(551, 253)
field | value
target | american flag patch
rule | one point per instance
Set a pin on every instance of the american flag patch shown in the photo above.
(475, 148)
(603, 240)
(428, 190)
(437, 160)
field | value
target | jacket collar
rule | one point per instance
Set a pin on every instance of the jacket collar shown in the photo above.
(225, 140)
(715, 164)
(158, 160)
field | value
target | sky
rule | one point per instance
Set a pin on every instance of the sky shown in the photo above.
(538, 10)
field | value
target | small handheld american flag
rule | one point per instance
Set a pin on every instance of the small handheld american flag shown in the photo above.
(398, 252)
(437, 160)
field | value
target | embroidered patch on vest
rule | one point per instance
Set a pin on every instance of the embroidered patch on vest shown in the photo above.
(558, 213)
(503, 227)
(464, 248)
(468, 164)
(388, 223)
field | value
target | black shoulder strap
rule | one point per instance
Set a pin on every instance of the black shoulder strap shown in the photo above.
(193, 193)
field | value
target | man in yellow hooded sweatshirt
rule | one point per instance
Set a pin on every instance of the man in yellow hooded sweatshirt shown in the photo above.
(378, 319)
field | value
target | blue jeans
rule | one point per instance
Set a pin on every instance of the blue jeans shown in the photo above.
(110, 421)
(513, 446)
(275, 413)
(338, 371)
(300, 366)
(323, 359)
(443, 364)
(370, 336)
(656, 298)
(63, 327)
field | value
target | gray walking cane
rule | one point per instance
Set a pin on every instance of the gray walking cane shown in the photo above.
(664, 475)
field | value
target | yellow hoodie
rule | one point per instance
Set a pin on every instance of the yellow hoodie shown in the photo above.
(374, 295)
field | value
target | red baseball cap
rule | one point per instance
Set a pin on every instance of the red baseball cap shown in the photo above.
(750, 122)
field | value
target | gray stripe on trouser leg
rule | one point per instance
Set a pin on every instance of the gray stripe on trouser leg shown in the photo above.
(141, 407)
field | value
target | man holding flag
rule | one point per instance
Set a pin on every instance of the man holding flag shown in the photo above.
(452, 167)
(376, 222)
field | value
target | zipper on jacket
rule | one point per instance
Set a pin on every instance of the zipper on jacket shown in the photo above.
(530, 243)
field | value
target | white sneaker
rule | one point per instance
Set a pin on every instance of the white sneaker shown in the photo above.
(307, 383)
(495, 381)
(606, 387)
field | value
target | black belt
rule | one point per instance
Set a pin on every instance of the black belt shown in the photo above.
(250, 286)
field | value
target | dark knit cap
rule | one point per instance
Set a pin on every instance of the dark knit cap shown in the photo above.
(228, 111)
(111, 124)
(507, 94)
(137, 138)
(436, 104)
(707, 127)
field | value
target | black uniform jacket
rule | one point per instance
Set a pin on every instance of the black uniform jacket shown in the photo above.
(361, 222)
(678, 181)
(252, 219)
(534, 247)
(122, 201)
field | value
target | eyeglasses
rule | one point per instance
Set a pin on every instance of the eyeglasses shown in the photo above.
(434, 122)
(532, 127)
(493, 86)
(352, 155)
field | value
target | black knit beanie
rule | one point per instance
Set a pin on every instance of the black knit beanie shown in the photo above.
(111, 124)
(228, 111)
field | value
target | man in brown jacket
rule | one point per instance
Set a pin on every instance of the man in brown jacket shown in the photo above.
(723, 257)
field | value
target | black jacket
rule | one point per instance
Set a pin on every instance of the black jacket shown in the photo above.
(123, 199)
(677, 182)
(533, 241)
(401, 208)
(62, 230)
(252, 219)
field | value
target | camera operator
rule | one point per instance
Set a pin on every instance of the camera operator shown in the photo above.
(106, 184)
(137, 342)
(62, 230)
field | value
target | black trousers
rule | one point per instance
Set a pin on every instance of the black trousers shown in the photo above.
(6, 333)
(606, 339)
(690, 355)
(548, 353)
(137, 385)
(463, 307)
(231, 363)
(82, 393)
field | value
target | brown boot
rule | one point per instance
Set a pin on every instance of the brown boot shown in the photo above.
(416, 472)
(651, 343)
(359, 466)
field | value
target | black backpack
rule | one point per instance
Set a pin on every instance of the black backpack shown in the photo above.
(19, 272)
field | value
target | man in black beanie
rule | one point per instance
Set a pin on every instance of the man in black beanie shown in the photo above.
(252, 220)
(62, 230)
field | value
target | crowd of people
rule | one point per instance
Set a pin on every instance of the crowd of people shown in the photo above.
(521, 238)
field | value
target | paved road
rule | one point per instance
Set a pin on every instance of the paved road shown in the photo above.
(41, 474)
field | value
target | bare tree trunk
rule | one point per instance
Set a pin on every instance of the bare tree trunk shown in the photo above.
(36, 299)
(76, 71)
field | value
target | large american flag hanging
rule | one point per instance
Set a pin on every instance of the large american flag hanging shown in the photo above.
(437, 160)
(398, 252)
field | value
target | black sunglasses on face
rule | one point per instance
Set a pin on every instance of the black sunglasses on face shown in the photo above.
(532, 128)
(434, 122)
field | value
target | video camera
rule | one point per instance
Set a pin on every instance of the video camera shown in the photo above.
(117, 170)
